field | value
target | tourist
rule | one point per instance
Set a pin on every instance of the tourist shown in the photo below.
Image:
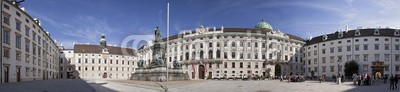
(391, 81)
(342, 78)
(385, 79)
(281, 77)
(338, 79)
(359, 79)
(355, 78)
(396, 80)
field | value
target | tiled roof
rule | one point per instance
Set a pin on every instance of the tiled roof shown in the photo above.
(90, 48)
(388, 32)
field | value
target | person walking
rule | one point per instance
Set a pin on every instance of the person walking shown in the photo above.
(281, 78)
(355, 77)
(391, 81)
(342, 78)
(396, 80)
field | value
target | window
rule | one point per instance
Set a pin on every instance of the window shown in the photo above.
(356, 47)
(6, 18)
(323, 68)
(233, 65)
(18, 25)
(27, 31)
(18, 41)
(376, 46)
(348, 48)
(397, 47)
(27, 43)
(332, 50)
(339, 58)
(357, 57)
(376, 39)
(365, 57)
(34, 37)
(348, 57)
(332, 68)
(248, 65)
(323, 60)
(376, 57)
(387, 68)
(365, 46)
(6, 36)
(6, 6)
(332, 59)
(340, 49)
(386, 46)
(18, 55)
(6, 52)
(397, 57)
(387, 57)
(225, 65)
(315, 61)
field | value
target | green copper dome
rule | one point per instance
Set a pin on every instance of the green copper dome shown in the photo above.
(103, 41)
(263, 25)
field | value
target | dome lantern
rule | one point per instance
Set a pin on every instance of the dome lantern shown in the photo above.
(263, 25)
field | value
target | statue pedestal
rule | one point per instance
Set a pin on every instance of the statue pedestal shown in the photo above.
(159, 74)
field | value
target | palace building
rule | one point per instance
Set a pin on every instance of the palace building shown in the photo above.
(98, 61)
(28, 51)
(376, 50)
(210, 52)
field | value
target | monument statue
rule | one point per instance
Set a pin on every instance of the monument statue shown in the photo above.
(157, 69)
(140, 63)
(177, 64)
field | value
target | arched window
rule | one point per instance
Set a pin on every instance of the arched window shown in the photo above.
(201, 55)
(210, 54)
(218, 54)
(193, 55)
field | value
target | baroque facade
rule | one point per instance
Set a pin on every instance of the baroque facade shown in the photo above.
(28, 51)
(327, 54)
(98, 61)
(210, 52)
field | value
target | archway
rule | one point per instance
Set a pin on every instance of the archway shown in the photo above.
(278, 70)
(105, 75)
(201, 71)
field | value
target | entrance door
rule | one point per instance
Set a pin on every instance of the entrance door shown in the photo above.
(6, 74)
(18, 74)
(44, 74)
(201, 72)
(104, 75)
(210, 75)
(277, 70)
(378, 72)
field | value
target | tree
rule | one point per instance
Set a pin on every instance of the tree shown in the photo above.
(351, 68)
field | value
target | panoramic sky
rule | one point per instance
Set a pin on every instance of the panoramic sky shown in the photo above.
(83, 21)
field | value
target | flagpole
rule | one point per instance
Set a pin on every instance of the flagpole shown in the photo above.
(166, 87)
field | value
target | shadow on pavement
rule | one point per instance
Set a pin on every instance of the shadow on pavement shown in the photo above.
(376, 87)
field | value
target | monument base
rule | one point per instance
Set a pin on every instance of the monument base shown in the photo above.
(159, 74)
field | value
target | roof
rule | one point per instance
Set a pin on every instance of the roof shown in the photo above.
(239, 30)
(90, 48)
(388, 32)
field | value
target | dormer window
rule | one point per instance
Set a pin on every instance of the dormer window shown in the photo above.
(325, 37)
(357, 33)
(376, 32)
(340, 34)
(397, 33)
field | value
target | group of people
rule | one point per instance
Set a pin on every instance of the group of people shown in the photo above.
(363, 79)
(338, 79)
(293, 78)
(393, 82)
